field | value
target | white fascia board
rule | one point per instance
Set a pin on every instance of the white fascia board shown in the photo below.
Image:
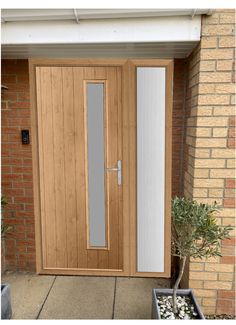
(158, 29)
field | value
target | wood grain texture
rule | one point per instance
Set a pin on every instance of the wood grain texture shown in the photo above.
(132, 164)
(80, 161)
(47, 168)
(69, 154)
(120, 156)
(77, 62)
(34, 88)
(59, 165)
(61, 169)
(112, 157)
(126, 168)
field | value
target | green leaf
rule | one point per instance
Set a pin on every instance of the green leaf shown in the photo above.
(194, 228)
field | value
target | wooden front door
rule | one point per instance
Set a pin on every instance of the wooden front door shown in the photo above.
(101, 143)
(79, 137)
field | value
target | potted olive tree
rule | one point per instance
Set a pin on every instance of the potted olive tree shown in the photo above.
(195, 234)
(6, 310)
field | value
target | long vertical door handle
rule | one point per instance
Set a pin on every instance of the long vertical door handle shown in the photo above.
(117, 169)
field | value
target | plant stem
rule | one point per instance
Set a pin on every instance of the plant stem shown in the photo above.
(181, 272)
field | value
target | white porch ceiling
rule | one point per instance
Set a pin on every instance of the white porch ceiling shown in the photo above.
(89, 33)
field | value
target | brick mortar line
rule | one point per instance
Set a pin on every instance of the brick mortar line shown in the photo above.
(199, 137)
(212, 115)
(210, 72)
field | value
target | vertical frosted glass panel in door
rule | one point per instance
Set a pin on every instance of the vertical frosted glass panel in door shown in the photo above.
(150, 168)
(95, 150)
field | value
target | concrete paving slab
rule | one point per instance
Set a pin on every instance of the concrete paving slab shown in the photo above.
(28, 292)
(80, 297)
(133, 298)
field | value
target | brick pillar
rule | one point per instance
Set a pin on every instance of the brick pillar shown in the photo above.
(209, 152)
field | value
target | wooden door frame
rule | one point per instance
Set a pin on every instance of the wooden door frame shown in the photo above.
(129, 161)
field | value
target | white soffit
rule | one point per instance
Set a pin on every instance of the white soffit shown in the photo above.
(159, 36)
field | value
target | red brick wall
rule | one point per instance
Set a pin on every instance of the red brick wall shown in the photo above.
(17, 166)
(17, 183)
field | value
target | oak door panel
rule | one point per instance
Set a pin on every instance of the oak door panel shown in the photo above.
(78, 77)
(111, 160)
(47, 178)
(59, 166)
(69, 158)
(63, 167)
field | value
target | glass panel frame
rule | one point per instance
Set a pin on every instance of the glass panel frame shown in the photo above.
(86, 121)
(151, 116)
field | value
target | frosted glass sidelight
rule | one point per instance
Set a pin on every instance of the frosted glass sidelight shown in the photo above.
(150, 168)
(95, 149)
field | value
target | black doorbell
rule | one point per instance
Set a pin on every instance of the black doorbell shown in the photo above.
(25, 137)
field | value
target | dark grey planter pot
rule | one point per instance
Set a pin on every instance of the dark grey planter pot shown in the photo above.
(6, 311)
(169, 292)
